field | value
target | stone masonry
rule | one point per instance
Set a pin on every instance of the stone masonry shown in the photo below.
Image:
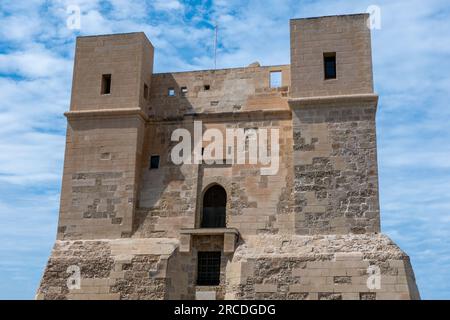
(311, 231)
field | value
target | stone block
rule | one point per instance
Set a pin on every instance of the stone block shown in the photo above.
(185, 243)
(266, 288)
(229, 242)
(205, 295)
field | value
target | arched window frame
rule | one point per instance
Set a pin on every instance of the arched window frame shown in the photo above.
(219, 222)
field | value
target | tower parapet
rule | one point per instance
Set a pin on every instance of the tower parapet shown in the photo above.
(319, 45)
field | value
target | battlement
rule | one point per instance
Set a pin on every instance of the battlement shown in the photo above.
(219, 91)
(124, 63)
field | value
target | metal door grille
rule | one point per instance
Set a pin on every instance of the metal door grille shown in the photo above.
(208, 272)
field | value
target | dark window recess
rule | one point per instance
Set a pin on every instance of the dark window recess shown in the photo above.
(106, 84)
(171, 92)
(329, 63)
(214, 208)
(183, 91)
(206, 87)
(154, 162)
(208, 269)
(145, 91)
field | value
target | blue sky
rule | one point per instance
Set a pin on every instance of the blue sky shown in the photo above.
(411, 55)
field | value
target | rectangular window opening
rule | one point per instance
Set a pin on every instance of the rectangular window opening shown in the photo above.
(206, 87)
(183, 91)
(154, 162)
(171, 92)
(145, 91)
(208, 268)
(275, 79)
(329, 63)
(106, 84)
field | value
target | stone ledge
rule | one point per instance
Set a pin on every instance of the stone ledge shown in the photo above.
(209, 231)
(326, 100)
(105, 113)
(252, 115)
(230, 237)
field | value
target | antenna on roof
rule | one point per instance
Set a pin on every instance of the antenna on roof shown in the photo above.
(215, 47)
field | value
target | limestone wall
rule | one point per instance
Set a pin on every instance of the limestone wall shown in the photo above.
(320, 267)
(335, 165)
(230, 90)
(99, 182)
(109, 269)
(171, 196)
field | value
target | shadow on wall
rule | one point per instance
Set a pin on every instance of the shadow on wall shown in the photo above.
(168, 193)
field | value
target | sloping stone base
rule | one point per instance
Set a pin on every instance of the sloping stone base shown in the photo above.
(262, 267)
(320, 267)
(109, 269)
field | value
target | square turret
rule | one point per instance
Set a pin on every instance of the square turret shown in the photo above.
(315, 42)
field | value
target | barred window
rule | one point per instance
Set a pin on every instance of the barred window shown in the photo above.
(208, 269)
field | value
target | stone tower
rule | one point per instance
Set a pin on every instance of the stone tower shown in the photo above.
(135, 225)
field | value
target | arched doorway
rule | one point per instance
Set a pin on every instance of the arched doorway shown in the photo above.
(214, 208)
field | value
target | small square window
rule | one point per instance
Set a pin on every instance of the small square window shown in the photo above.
(208, 268)
(183, 91)
(275, 79)
(171, 92)
(106, 84)
(329, 63)
(206, 87)
(154, 162)
(145, 91)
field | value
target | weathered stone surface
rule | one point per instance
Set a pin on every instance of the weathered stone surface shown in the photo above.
(320, 267)
(264, 267)
(120, 269)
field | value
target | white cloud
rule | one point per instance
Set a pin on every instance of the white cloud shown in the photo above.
(19, 28)
(34, 63)
(165, 5)
(93, 22)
